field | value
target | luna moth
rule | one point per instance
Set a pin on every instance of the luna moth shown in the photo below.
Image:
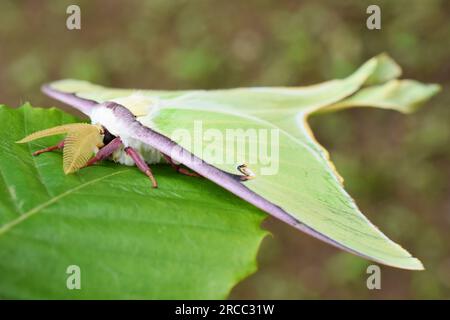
(134, 127)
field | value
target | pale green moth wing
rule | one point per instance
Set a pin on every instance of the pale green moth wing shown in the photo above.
(294, 174)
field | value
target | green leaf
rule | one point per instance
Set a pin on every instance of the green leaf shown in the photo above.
(188, 239)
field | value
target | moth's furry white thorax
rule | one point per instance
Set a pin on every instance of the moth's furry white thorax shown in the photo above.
(105, 117)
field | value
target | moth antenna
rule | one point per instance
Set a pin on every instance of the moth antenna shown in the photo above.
(63, 129)
(79, 147)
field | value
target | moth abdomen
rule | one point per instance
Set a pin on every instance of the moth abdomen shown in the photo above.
(147, 152)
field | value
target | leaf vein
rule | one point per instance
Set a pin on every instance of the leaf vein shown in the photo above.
(8, 226)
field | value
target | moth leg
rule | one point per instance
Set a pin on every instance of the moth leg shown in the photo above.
(140, 163)
(60, 145)
(105, 152)
(179, 168)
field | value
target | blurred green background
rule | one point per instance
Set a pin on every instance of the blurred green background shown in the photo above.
(396, 167)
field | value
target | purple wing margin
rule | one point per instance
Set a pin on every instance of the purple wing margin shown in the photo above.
(83, 105)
